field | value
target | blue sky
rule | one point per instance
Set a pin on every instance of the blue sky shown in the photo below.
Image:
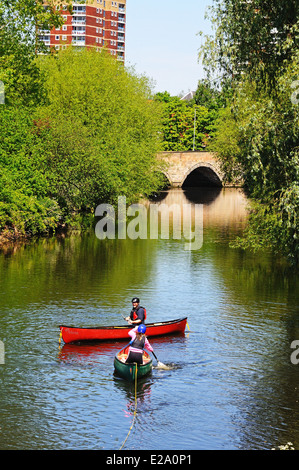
(162, 41)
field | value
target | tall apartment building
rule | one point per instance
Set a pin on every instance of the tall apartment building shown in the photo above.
(96, 23)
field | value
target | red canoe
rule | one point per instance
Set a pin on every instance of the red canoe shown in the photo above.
(72, 334)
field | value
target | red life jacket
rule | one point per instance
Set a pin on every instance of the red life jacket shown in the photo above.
(135, 316)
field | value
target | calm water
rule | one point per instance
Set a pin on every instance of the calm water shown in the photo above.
(232, 384)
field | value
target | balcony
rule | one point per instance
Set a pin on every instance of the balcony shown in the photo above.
(79, 9)
(79, 31)
(78, 21)
(77, 41)
(121, 38)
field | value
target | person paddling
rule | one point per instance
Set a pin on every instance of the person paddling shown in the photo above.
(137, 344)
(138, 314)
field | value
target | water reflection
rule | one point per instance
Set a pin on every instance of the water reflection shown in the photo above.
(143, 393)
(232, 384)
(202, 195)
(93, 350)
(221, 206)
(87, 352)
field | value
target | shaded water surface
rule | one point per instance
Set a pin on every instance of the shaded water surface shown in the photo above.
(230, 384)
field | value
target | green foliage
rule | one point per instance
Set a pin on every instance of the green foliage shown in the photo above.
(24, 201)
(104, 127)
(257, 140)
(208, 96)
(253, 37)
(20, 21)
(255, 45)
(93, 137)
(179, 118)
(226, 144)
(274, 226)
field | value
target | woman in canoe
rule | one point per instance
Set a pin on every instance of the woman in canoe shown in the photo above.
(138, 342)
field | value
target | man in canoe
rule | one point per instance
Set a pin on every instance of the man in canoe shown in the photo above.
(137, 344)
(138, 314)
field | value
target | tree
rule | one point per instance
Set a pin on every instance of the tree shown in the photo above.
(254, 37)
(25, 204)
(179, 118)
(20, 22)
(208, 96)
(93, 137)
(255, 46)
(104, 127)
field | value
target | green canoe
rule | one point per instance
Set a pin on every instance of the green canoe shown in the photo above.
(128, 371)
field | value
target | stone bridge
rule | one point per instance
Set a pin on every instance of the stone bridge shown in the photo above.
(192, 169)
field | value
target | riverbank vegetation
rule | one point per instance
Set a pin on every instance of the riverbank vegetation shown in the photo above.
(77, 129)
(255, 49)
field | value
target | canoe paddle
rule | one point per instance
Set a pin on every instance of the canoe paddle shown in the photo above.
(155, 356)
(160, 364)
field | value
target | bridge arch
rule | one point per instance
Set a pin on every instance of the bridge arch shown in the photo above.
(181, 167)
(202, 174)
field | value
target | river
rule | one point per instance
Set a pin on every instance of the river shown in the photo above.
(231, 383)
